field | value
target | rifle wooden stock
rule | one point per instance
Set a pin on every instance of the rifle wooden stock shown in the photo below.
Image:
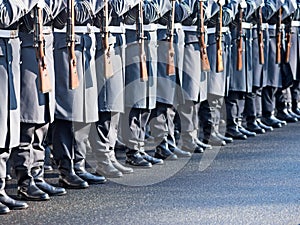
(205, 66)
(171, 53)
(260, 37)
(278, 37)
(108, 67)
(288, 44)
(44, 78)
(219, 55)
(73, 75)
(141, 38)
(239, 59)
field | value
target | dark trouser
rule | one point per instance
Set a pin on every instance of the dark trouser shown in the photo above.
(187, 113)
(133, 126)
(205, 116)
(104, 133)
(295, 90)
(250, 108)
(281, 97)
(267, 99)
(215, 103)
(28, 158)
(70, 145)
(159, 121)
(232, 108)
(4, 155)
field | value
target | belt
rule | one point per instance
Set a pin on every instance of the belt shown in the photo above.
(273, 26)
(247, 25)
(80, 29)
(116, 29)
(190, 28)
(295, 23)
(212, 30)
(9, 33)
(264, 26)
(177, 26)
(147, 27)
(47, 30)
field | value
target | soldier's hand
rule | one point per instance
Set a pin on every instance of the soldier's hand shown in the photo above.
(41, 4)
(243, 4)
(221, 2)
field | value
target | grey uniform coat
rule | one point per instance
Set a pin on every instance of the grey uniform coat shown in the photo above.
(37, 107)
(194, 81)
(143, 94)
(274, 78)
(241, 81)
(167, 86)
(10, 13)
(80, 104)
(218, 83)
(295, 44)
(111, 90)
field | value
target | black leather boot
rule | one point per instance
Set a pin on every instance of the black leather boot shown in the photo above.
(27, 189)
(38, 176)
(3, 209)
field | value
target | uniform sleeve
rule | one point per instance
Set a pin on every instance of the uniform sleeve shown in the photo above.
(12, 10)
(86, 10)
(250, 10)
(52, 9)
(270, 8)
(153, 10)
(288, 8)
(120, 7)
(183, 10)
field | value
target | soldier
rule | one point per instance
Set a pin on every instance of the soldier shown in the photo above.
(252, 109)
(140, 95)
(218, 80)
(288, 64)
(76, 108)
(11, 12)
(111, 87)
(167, 84)
(194, 80)
(37, 108)
(295, 58)
(241, 75)
(274, 78)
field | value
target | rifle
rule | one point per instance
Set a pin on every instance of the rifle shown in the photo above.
(108, 69)
(239, 60)
(278, 36)
(260, 36)
(205, 66)
(170, 33)
(219, 64)
(288, 41)
(73, 76)
(141, 38)
(39, 44)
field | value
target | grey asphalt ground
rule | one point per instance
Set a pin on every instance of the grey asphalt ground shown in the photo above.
(249, 182)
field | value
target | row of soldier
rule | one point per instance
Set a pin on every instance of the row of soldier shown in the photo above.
(149, 63)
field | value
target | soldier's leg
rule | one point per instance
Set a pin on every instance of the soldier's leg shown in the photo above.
(295, 93)
(208, 114)
(159, 130)
(232, 112)
(6, 202)
(267, 97)
(250, 112)
(81, 140)
(37, 169)
(22, 158)
(63, 153)
(102, 136)
(171, 113)
(133, 133)
(281, 97)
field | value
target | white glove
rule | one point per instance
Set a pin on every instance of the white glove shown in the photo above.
(262, 4)
(282, 1)
(221, 2)
(41, 4)
(243, 4)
